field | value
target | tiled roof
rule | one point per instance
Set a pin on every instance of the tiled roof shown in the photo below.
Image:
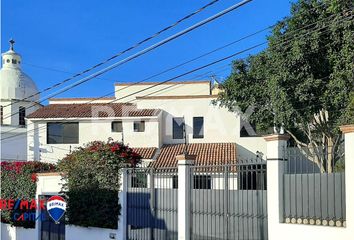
(86, 110)
(145, 153)
(207, 154)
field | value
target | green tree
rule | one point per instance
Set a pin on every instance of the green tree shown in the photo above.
(303, 80)
(93, 181)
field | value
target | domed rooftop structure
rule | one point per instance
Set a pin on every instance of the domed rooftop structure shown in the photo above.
(14, 83)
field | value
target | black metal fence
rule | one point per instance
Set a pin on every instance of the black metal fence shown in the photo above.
(314, 187)
(152, 204)
(229, 201)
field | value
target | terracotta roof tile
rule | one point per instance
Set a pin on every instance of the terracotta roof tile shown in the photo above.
(145, 153)
(207, 154)
(86, 110)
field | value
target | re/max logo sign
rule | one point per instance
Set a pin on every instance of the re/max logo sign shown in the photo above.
(11, 204)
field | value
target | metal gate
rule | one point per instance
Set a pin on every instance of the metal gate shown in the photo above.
(229, 201)
(152, 204)
(49, 230)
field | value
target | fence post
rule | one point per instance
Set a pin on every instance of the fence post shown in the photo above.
(184, 195)
(276, 164)
(123, 198)
(348, 131)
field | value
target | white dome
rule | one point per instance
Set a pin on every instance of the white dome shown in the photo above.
(15, 84)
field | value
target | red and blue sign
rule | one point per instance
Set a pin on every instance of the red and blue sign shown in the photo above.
(56, 207)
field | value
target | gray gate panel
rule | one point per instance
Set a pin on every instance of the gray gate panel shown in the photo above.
(247, 214)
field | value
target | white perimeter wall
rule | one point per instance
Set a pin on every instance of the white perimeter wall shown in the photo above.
(16, 233)
(77, 233)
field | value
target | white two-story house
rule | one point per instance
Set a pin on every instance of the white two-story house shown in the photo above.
(157, 120)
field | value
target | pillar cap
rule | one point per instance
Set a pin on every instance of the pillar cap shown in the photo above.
(276, 137)
(347, 128)
(186, 159)
(49, 174)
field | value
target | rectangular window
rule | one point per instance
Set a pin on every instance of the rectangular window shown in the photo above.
(178, 128)
(63, 133)
(117, 126)
(1, 114)
(139, 126)
(21, 116)
(198, 127)
(202, 182)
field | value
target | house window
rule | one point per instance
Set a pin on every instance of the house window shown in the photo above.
(177, 128)
(117, 126)
(198, 127)
(14, 61)
(21, 116)
(1, 114)
(63, 133)
(139, 126)
(202, 182)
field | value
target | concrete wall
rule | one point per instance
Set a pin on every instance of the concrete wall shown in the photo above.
(16, 233)
(15, 147)
(77, 233)
(275, 170)
(90, 130)
(14, 108)
(72, 232)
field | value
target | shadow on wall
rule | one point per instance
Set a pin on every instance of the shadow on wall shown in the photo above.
(245, 154)
(145, 223)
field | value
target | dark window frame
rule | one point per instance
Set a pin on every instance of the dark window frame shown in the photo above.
(21, 116)
(176, 126)
(1, 114)
(120, 129)
(139, 126)
(200, 133)
(62, 128)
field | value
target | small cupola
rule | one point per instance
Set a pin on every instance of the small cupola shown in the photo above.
(11, 59)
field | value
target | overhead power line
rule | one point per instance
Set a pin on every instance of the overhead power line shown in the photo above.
(146, 50)
(120, 53)
(282, 43)
(94, 76)
(168, 80)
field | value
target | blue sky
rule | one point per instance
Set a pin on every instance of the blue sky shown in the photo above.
(70, 36)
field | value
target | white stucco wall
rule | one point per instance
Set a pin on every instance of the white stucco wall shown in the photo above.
(14, 139)
(280, 231)
(14, 143)
(220, 125)
(77, 233)
(90, 130)
(16, 233)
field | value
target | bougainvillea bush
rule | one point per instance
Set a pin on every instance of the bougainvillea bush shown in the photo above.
(18, 181)
(93, 180)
